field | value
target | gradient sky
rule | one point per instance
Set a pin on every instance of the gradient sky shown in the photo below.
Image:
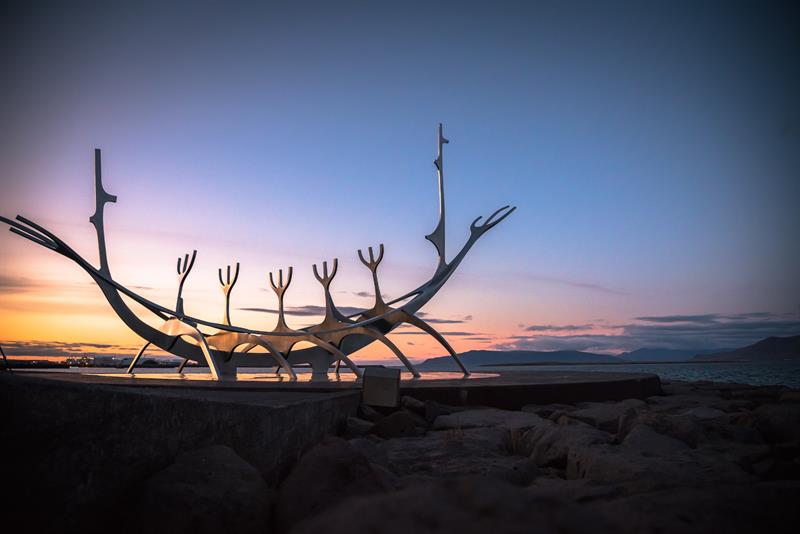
(653, 151)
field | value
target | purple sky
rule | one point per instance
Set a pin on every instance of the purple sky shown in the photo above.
(653, 151)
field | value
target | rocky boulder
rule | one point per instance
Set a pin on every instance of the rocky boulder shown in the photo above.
(647, 461)
(546, 410)
(400, 424)
(451, 453)
(779, 422)
(355, 427)
(488, 417)
(606, 416)
(474, 505)
(323, 477)
(208, 490)
(549, 445)
(764, 507)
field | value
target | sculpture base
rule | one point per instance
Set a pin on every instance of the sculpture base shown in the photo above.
(510, 390)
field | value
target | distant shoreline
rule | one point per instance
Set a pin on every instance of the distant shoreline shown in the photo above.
(525, 364)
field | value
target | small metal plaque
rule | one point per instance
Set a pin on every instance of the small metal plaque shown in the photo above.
(381, 386)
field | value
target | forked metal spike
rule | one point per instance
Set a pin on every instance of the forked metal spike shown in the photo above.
(326, 277)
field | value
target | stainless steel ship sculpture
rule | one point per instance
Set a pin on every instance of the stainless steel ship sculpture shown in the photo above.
(230, 346)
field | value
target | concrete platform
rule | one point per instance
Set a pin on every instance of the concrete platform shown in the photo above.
(270, 429)
(510, 390)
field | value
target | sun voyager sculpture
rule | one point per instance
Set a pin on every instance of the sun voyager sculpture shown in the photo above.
(229, 347)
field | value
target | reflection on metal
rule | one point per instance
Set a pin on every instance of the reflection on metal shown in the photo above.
(5, 360)
(230, 347)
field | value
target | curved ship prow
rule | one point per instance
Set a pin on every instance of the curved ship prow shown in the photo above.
(230, 347)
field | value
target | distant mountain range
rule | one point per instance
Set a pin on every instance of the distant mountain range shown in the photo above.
(772, 348)
(478, 358)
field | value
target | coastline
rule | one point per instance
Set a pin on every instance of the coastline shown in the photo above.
(697, 456)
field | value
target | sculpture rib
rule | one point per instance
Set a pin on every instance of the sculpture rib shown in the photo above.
(333, 339)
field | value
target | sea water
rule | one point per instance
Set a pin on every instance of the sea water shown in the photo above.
(786, 373)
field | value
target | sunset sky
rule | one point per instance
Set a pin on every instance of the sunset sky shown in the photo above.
(653, 154)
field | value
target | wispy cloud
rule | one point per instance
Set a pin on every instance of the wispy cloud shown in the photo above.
(574, 283)
(11, 283)
(60, 348)
(17, 283)
(362, 294)
(558, 328)
(707, 318)
(435, 320)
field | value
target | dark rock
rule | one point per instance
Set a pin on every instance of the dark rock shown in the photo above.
(550, 444)
(764, 507)
(415, 405)
(724, 430)
(397, 425)
(684, 428)
(448, 454)
(577, 491)
(779, 422)
(676, 404)
(753, 459)
(357, 427)
(704, 412)
(558, 414)
(208, 490)
(783, 464)
(759, 393)
(369, 413)
(488, 417)
(647, 461)
(419, 420)
(326, 475)
(626, 421)
(372, 447)
(790, 396)
(434, 409)
(650, 443)
(474, 505)
(546, 410)
(606, 416)
(522, 472)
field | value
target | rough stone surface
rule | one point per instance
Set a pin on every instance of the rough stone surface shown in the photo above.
(606, 416)
(702, 457)
(357, 427)
(369, 413)
(210, 490)
(487, 417)
(779, 422)
(434, 409)
(399, 424)
(451, 453)
(546, 410)
(644, 439)
(473, 505)
(765, 507)
(703, 412)
(550, 445)
(413, 404)
(326, 475)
